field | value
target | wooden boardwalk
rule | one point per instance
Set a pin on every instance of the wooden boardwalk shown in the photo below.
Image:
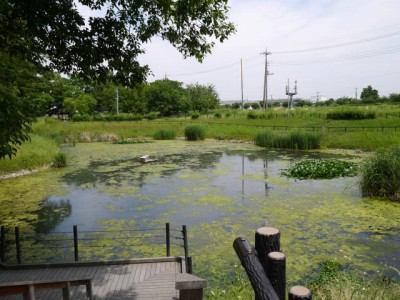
(145, 279)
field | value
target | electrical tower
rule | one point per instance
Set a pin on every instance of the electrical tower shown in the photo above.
(291, 93)
(266, 74)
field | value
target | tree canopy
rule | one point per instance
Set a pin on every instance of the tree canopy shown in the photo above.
(104, 47)
(369, 94)
(56, 35)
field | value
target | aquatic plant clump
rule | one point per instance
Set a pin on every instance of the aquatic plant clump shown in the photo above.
(380, 175)
(60, 160)
(321, 169)
(298, 140)
(164, 134)
(194, 133)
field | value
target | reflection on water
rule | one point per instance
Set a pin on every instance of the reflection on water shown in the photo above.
(52, 213)
(222, 191)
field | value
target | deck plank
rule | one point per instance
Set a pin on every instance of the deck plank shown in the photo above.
(135, 280)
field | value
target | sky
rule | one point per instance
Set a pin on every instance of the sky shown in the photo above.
(332, 48)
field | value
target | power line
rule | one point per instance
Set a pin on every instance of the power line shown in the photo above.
(311, 61)
(383, 36)
(338, 58)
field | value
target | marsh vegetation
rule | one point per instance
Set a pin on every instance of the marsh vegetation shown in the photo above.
(223, 189)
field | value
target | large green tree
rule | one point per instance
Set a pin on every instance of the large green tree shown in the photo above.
(202, 97)
(16, 105)
(369, 95)
(55, 35)
(168, 97)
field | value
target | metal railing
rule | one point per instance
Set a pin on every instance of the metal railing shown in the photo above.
(19, 246)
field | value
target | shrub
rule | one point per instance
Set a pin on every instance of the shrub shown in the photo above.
(321, 169)
(137, 117)
(60, 160)
(380, 175)
(194, 132)
(252, 115)
(227, 115)
(164, 134)
(99, 118)
(218, 115)
(81, 118)
(350, 115)
(152, 115)
(195, 115)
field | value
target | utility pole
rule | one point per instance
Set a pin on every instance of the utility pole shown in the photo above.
(266, 74)
(241, 80)
(317, 97)
(356, 92)
(116, 89)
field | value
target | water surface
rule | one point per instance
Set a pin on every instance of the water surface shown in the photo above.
(220, 190)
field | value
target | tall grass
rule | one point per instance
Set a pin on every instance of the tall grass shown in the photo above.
(350, 114)
(380, 175)
(300, 140)
(32, 154)
(194, 133)
(164, 134)
(333, 282)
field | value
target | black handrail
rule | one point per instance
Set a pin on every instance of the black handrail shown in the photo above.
(79, 240)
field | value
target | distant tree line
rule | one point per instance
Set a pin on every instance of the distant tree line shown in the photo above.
(56, 95)
(368, 95)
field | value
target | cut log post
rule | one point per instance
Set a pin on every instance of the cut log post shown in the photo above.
(276, 273)
(267, 239)
(258, 278)
(299, 292)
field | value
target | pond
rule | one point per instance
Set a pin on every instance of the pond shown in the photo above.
(221, 191)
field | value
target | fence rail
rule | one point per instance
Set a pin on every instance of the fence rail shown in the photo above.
(25, 246)
(288, 128)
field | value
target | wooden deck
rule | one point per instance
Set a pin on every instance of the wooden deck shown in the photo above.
(129, 279)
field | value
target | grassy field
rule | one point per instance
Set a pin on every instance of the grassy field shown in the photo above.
(34, 154)
(366, 135)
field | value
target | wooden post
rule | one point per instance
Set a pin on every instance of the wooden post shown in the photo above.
(185, 243)
(276, 273)
(168, 239)
(76, 252)
(267, 240)
(18, 245)
(258, 278)
(299, 292)
(190, 287)
(189, 264)
(3, 245)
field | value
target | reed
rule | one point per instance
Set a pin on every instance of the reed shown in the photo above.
(299, 140)
(380, 175)
(194, 133)
(164, 134)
